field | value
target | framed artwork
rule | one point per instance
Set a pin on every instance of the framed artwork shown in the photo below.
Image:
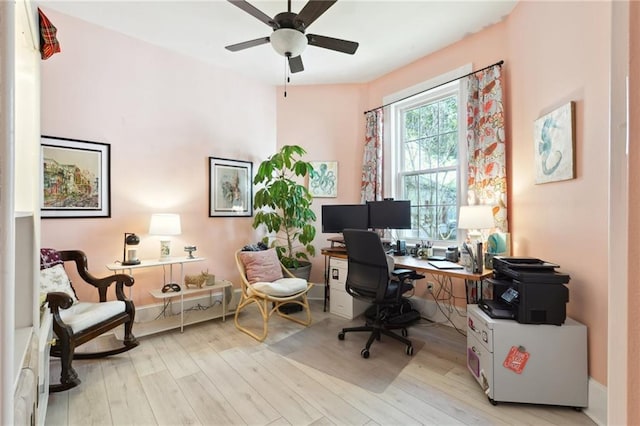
(555, 140)
(230, 187)
(75, 178)
(323, 182)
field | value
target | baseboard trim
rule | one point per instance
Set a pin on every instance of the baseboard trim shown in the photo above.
(597, 409)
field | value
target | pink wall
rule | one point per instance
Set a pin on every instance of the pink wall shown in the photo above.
(553, 52)
(327, 121)
(163, 115)
(565, 222)
(634, 212)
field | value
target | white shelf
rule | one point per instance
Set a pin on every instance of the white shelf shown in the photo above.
(216, 288)
(148, 263)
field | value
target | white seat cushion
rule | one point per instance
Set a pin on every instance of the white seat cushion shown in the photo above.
(83, 315)
(282, 287)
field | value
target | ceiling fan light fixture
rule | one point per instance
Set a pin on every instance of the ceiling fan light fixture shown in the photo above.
(288, 42)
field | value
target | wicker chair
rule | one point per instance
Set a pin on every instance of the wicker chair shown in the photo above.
(269, 285)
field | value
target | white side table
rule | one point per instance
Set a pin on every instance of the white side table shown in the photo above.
(158, 294)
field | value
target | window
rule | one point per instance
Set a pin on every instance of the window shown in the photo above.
(428, 135)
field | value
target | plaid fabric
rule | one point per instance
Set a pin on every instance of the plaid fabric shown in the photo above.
(48, 42)
(49, 258)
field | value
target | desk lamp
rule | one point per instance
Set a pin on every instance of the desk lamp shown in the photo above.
(130, 251)
(165, 225)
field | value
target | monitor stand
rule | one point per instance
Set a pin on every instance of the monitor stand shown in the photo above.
(337, 243)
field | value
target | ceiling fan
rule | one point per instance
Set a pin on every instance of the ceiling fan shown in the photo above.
(288, 37)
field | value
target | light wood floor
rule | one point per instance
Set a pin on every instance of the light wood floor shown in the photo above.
(213, 374)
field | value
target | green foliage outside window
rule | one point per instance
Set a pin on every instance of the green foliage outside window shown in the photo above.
(429, 176)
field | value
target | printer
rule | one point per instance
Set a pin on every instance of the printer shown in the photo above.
(528, 290)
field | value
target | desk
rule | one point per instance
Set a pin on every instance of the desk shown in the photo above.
(419, 265)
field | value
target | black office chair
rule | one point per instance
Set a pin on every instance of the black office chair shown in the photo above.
(368, 279)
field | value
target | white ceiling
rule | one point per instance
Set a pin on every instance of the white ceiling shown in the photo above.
(391, 33)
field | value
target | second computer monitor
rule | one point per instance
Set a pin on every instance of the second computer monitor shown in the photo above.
(390, 214)
(336, 217)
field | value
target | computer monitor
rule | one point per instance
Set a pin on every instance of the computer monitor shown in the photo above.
(336, 217)
(390, 214)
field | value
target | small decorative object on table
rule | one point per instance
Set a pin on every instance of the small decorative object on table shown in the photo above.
(190, 250)
(204, 278)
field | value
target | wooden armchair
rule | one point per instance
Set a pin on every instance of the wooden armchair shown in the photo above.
(265, 281)
(76, 322)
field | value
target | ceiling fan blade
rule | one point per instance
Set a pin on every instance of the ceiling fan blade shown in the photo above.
(331, 43)
(247, 44)
(295, 64)
(312, 11)
(255, 12)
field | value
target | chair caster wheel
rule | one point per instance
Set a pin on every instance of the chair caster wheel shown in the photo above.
(410, 350)
(341, 336)
(404, 332)
(365, 353)
(493, 402)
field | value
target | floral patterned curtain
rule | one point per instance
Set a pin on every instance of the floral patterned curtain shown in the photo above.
(371, 187)
(487, 181)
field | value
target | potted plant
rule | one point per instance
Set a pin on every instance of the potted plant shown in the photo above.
(284, 206)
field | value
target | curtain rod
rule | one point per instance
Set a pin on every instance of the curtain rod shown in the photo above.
(499, 63)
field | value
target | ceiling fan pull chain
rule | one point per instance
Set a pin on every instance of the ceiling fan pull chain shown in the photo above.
(286, 75)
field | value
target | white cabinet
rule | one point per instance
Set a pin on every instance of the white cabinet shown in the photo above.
(340, 302)
(528, 363)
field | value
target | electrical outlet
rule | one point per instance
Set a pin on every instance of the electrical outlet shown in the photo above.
(430, 287)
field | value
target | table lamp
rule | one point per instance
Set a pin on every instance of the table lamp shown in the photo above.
(165, 225)
(130, 250)
(474, 219)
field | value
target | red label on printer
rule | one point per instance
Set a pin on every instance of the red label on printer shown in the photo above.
(516, 359)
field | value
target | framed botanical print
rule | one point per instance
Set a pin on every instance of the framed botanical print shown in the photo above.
(230, 187)
(323, 181)
(555, 139)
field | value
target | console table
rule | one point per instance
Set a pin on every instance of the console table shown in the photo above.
(169, 322)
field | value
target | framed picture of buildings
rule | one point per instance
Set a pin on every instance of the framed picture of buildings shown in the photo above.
(75, 178)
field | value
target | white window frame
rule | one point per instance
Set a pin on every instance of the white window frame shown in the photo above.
(403, 100)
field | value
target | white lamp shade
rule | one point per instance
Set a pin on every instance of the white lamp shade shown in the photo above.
(288, 42)
(165, 224)
(476, 217)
